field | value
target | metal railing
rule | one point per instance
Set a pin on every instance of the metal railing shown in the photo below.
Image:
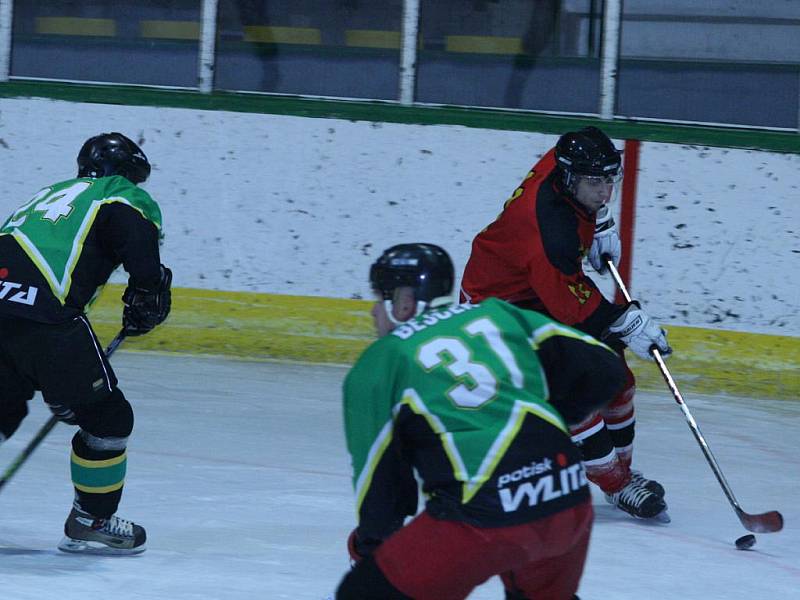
(409, 52)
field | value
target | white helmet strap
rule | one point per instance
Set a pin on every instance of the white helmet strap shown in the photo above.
(389, 306)
(422, 306)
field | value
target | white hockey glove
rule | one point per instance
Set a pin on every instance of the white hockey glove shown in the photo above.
(606, 241)
(639, 332)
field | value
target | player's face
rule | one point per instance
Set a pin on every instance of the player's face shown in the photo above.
(380, 319)
(403, 307)
(593, 192)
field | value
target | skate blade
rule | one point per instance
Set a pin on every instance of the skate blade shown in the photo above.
(662, 517)
(73, 546)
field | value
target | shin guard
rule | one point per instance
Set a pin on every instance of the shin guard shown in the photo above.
(98, 477)
(603, 467)
(620, 420)
(98, 458)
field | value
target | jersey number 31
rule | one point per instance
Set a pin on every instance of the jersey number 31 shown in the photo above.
(484, 383)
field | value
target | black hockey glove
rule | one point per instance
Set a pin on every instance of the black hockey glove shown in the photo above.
(144, 308)
(63, 413)
(359, 548)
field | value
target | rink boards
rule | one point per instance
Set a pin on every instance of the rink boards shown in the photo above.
(331, 330)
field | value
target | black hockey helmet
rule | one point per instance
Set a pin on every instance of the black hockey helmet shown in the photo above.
(588, 152)
(113, 154)
(426, 268)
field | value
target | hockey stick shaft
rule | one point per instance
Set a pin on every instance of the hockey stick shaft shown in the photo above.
(23, 456)
(761, 523)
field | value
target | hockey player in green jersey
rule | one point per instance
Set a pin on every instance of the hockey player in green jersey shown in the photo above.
(56, 252)
(476, 401)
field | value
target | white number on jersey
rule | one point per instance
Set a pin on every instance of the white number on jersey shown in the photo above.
(59, 204)
(53, 205)
(484, 383)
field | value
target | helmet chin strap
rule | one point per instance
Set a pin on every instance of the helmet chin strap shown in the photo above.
(389, 307)
(422, 306)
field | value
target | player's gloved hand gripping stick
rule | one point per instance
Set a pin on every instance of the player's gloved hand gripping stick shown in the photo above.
(762, 523)
(42, 433)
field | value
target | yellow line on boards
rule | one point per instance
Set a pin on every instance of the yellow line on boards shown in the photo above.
(76, 26)
(372, 38)
(175, 30)
(336, 330)
(478, 44)
(282, 35)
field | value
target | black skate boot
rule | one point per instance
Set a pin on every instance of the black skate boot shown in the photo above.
(650, 484)
(86, 534)
(638, 501)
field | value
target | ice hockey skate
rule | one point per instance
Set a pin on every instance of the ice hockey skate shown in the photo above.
(650, 484)
(85, 534)
(640, 502)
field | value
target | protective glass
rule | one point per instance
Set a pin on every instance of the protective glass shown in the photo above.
(594, 191)
(594, 180)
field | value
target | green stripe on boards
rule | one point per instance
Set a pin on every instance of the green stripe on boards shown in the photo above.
(329, 330)
(393, 112)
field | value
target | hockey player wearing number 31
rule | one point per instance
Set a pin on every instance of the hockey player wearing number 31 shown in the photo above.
(475, 400)
(56, 251)
(531, 256)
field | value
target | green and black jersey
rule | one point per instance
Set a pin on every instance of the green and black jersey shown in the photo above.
(60, 248)
(475, 399)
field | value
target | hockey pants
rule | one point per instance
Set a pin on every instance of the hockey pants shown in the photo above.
(606, 440)
(66, 363)
(431, 559)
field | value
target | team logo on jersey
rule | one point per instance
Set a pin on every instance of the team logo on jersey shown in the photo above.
(581, 292)
(550, 485)
(526, 472)
(11, 291)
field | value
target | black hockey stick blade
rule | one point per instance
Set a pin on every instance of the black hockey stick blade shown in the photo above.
(46, 428)
(768, 522)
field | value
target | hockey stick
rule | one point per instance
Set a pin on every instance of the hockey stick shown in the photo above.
(763, 523)
(47, 427)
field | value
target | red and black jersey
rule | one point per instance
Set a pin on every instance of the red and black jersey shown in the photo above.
(532, 254)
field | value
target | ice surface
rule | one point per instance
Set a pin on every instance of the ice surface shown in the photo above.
(239, 472)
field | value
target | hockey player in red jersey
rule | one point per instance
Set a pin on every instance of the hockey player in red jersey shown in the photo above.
(472, 401)
(531, 256)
